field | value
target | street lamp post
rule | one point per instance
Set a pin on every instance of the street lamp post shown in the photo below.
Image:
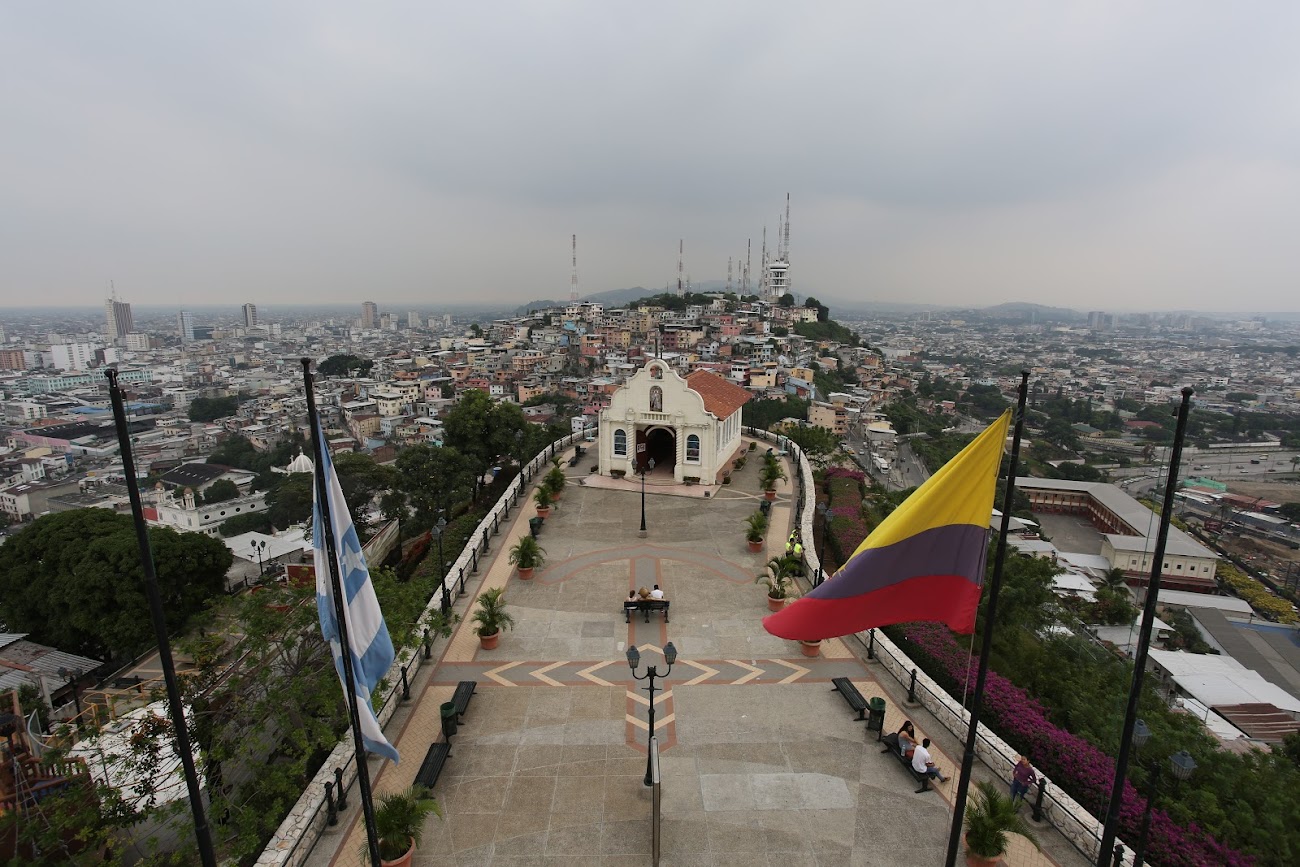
(825, 512)
(633, 660)
(438, 529)
(259, 547)
(1181, 764)
(646, 466)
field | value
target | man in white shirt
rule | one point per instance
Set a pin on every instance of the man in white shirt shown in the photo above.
(656, 593)
(923, 764)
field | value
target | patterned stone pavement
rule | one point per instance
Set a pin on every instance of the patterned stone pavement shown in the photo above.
(762, 762)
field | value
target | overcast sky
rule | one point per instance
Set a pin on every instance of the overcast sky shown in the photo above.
(1094, 155)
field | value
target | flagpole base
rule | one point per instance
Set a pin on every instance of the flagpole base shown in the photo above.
(641, 534)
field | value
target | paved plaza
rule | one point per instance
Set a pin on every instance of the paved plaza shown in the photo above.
(762, 762)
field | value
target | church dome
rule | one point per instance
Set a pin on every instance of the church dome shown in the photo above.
(301, 464)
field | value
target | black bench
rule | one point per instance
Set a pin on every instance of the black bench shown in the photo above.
(573, 461)
(464, 692)
(646, 605)
(845, 687)
(891, 746)
(431, 767)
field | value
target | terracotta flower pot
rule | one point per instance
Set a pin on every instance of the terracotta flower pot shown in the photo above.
(544, 512)
(755, 547)
(973, 860)
(810, 648)
(775, 604)
(401, 860)
(489, 642)
(555, 496)
(770, 493)
(526, 574)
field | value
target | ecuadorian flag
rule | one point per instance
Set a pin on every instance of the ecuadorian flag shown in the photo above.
(924, 562)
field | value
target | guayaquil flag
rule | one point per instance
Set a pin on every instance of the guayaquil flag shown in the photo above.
(924, 562)
(372, 649)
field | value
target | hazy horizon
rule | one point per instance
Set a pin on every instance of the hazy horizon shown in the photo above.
(1092, 156)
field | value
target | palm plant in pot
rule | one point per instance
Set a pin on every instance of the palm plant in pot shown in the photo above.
(492, 617)
(399, 822)
(555, 482)
(542, 499)
(527, 555)
(770, 475)
(990, 817)
(777, 577)
(755, 529)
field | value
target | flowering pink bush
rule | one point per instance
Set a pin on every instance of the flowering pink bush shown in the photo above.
(846, 473)
(1077, 766)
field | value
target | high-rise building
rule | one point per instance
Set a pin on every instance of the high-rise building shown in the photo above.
(369, 314)
(412, 319)
(185, 325)
(72, 356)
(250, 315)
(117, 319)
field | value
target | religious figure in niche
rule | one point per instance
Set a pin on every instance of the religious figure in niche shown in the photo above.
(656, 372)
(656, 399)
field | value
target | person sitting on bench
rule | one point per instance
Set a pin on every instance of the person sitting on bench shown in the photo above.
(656, 593)
(906, 739)
(922, 763)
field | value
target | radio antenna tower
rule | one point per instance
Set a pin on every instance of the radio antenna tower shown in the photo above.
(573, 281)
(749, 254)
(728, 273)
(785, 240)
(681, 246)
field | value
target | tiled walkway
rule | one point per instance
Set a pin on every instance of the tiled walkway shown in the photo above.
(762, 762)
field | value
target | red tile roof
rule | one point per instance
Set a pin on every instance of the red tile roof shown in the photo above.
(721, 398)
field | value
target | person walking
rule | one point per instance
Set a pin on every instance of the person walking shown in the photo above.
(1022, 777)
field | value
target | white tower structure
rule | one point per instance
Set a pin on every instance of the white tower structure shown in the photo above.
(573, 281)
(776, 273)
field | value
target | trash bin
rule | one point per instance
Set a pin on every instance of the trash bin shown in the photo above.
(535, 526)
(764, 506)
(875, 714)
(448, 719)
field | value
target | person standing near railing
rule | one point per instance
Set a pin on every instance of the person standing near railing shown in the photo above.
(1022, 777)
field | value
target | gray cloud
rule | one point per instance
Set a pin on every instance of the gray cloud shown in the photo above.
(1096, 154)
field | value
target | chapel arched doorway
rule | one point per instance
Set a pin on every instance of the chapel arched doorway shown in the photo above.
(661, 444)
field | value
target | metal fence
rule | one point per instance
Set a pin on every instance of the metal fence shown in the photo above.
(326, 795)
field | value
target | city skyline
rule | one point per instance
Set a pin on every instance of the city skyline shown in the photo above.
(318, 153)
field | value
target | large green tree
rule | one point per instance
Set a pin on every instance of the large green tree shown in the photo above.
(74, 581)
(483, 431)
(433, 478)
(289, 502)
(342, 365)
(205, 409)
(220, 491)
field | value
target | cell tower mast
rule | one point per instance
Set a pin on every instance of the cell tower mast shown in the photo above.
(749, 254)
(573, 281)
(681, 246)
(728, 273)
(785, 240)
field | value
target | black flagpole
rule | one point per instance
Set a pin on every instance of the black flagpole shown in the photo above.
(995, 584)
(177, 710)
(336, 585)
(1111, 827)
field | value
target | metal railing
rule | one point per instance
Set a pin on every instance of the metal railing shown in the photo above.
(318, 805)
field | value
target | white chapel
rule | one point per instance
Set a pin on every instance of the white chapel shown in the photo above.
(690, 425)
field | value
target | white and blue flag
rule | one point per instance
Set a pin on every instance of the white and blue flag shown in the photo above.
(372, 649)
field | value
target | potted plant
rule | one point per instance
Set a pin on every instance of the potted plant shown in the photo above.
(617, 474)
(810, 648)
(752, 445)
(755, 529)
(769, 476)
(555, 482)
(542, 498)
(399, 822)
(777, 577)
(990, 817)
(492, 617)
(527, 555)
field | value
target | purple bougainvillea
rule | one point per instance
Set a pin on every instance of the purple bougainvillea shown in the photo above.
(1077, 766)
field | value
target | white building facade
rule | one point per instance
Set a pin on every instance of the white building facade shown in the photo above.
(690, 425)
